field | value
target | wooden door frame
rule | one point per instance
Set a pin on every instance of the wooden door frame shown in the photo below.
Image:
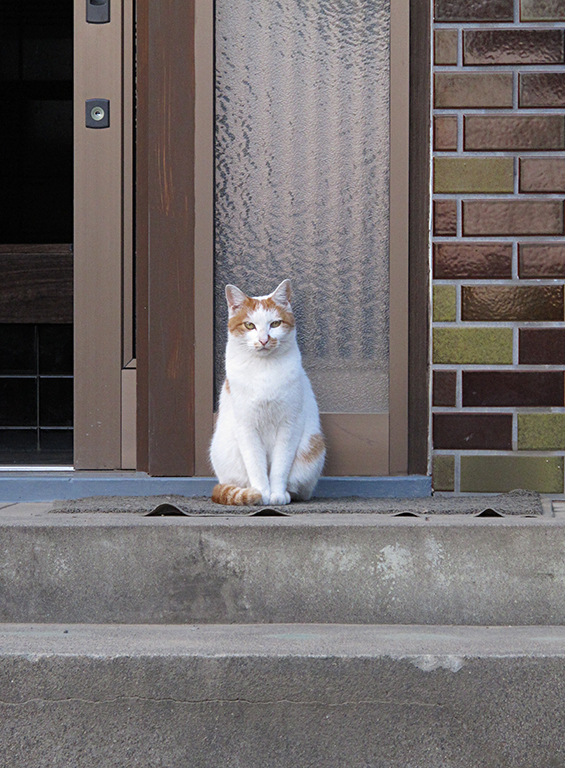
(171, 120)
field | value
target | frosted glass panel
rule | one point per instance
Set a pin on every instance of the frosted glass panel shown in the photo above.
(302, 181)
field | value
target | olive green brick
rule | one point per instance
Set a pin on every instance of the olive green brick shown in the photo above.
(541, 431)
(500, 474)
(481, 346)
(542, 10)
(443, 473)
(445, 303)
(477, 174)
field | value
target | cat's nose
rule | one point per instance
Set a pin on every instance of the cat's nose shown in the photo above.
(264, 343)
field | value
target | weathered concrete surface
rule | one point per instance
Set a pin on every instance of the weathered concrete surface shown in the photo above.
(328, 568)
(513, 503)
(281, 697)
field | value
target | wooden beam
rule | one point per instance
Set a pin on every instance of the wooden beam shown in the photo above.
(165, 247)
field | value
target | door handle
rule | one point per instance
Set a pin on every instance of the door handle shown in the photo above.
(98, 11)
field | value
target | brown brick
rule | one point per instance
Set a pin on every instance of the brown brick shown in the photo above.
(444, 389)
(472, 431)
(509, 302)
(474, 10)
(542, 89)
(512, 217)
(542, 174)
(445, 133)
(542, 346)
(527, 132)
(472, 260)
(445, 46)
(513, 388)
(472, 90)
(513, 46)
(542, 10)
(547, 260)
(445, 217)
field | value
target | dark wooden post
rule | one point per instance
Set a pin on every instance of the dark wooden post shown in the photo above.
(165, 236)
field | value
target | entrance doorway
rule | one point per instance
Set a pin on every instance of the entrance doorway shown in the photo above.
(36, 233)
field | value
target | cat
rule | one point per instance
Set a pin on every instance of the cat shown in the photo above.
(267, 446)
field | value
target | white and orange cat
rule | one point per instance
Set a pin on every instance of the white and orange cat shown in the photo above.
(267, 446)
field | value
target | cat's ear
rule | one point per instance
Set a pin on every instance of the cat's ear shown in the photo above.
(235, 298)
(281, 294)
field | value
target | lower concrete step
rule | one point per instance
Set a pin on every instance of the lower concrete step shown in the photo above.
(281, 696)
(372, 569)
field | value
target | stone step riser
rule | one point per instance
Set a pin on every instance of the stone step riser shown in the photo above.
(365, 569)
(281, 696)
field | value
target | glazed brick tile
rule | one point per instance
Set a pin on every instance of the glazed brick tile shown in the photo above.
(444, 303)
(445, 133)
(472, 431)
(541, 431)
(503, 302)
(514, 132)
(513, 46)
(445, 46)
(500, 474)
(541, 346)
(480, 346)
(472, 90)
(474, 261)
(542, 89)
(512, 217)
(542, 174)
(445, 217)
(443, 473)
(473, 174)
(474, 10)
(444, 388)
(541, 260)
(513, 388)
(542, 10)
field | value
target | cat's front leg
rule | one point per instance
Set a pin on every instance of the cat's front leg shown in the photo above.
(283, 456)
(255, 460)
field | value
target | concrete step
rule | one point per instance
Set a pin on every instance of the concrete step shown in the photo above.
(342, 569)
(280, 696)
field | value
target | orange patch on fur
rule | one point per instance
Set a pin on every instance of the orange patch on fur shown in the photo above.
(236, 323)
(286, 317)
(227, 386)
(316, 446)
(235, 496)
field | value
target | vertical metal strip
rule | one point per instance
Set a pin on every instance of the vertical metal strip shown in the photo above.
(399, 232)
(98, 245)
(204, 233)
(127, 149)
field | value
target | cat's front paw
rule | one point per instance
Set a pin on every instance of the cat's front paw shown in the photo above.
(280, 498)
(265, 496)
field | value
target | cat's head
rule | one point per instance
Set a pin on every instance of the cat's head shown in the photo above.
(261, 323)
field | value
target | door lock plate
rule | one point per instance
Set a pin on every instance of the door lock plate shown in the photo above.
(97, 113)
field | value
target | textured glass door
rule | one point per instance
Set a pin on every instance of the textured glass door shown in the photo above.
(302, 157)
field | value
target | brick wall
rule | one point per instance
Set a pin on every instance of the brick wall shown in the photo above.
(498, 245)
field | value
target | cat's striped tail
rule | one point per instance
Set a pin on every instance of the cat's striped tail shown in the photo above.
(239, 497)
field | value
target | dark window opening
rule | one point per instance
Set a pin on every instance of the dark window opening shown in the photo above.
(36, 211)
(36, 393)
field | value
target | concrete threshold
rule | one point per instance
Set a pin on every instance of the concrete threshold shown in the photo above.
(280, 696)
(342, 569)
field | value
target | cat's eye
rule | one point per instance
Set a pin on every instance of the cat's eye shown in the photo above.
(249, 326)
(276, 323)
